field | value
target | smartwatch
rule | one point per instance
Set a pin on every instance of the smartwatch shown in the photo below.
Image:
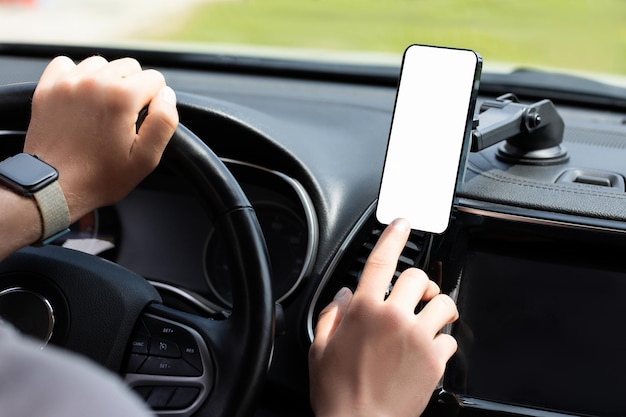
(29, 176)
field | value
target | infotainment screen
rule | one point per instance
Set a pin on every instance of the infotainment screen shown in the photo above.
(541, 334)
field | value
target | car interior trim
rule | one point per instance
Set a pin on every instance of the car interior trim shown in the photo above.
(310, 218)
(30, 303)
(333, 265)
(509, 409)
(198, 301)
(545, 218)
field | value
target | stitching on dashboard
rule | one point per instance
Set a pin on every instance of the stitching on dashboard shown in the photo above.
(525, 183)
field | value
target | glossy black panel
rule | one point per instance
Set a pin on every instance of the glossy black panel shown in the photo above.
(542, 318)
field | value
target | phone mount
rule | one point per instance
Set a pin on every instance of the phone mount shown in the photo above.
(533, 133)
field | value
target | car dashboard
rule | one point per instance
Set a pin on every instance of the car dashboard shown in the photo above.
(533, 255)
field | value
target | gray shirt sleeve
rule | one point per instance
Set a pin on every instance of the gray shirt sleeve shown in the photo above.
(51, 382)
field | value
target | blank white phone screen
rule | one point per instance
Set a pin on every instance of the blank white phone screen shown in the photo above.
(428, 138)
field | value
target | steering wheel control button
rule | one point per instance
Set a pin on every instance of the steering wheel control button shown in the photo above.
(190, 352)
(160, 396)
(192, 356)
(134, 362)
(168, 340)
(168, 397)
(156, 365)
(183, 397)
(164, 347)
(161, 328)
(140, 344)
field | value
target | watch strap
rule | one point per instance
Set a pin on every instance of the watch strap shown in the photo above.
(55, 215)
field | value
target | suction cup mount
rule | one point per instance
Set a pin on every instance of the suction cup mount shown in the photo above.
(532, 133)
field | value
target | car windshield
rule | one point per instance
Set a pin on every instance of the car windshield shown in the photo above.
(575, 37)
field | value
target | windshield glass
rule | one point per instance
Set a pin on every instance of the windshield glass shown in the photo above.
(574, 36)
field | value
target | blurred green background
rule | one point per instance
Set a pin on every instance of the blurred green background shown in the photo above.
(585, 35)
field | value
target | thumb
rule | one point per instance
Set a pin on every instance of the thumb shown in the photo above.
(331, 316)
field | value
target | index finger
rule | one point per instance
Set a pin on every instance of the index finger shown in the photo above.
(381, 263)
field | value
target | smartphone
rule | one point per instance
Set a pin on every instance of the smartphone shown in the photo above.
(429, 136)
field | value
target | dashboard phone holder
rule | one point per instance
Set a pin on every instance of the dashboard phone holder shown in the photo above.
(532, 133)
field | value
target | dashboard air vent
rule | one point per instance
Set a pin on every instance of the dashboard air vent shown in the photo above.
(412, 256)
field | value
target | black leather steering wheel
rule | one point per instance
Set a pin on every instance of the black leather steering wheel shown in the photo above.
(181, 363)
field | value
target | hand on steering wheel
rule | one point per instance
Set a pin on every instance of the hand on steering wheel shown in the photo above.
(102, 303)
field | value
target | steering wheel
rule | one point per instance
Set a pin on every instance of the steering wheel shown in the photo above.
(182, 364)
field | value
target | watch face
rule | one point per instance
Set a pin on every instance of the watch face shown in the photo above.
(26, 172)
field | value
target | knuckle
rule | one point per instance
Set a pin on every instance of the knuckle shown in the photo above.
(129, 61)
(156, 74)
(445, 308)
(95, 58)
(417, 274)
